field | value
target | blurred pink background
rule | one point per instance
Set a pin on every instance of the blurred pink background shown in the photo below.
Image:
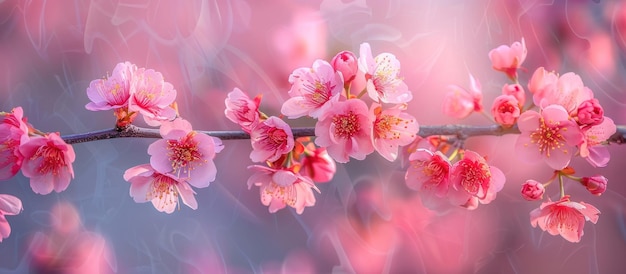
(366, 220)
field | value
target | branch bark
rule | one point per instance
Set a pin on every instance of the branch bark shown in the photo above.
(461, 131)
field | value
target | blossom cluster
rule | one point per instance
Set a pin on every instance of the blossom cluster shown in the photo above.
(44, 158)
(346, 127)
(181, 159)
(563, 120)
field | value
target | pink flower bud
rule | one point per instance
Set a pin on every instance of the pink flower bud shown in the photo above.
(346, 63)
(505, 110)
(590, 113)
(508, 59)
(532, 190)
(517, 91)
(596, 184)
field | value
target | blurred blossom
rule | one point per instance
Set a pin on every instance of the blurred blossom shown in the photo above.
(384, 83)
(460, 103)
(9, 205)
(280, 188)
(68, 247)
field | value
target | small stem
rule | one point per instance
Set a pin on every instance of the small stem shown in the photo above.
(361, 93)
(561, 185)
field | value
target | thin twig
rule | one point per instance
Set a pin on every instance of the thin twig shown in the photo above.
(461, 131)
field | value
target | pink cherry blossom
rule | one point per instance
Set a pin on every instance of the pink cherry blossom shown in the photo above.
(595, 184)
(549, 136)
(48, 163)
(347, 64)
(564, 217)
(542, 84)
(280, 188)
(533, 190)
(163, 190)
(566, 90)
(505, 110)
(9, 205)
(185, 153)
(517, 91)
(344, 130)
(592, 147)
(509, 59)
(472, 177)
(391, 128)
(383, 83)
(242, 110)
(114, 91)
(152, 97)
(271, 139)
(429, 173)
(590, 113)
(312, 90)
(460, 103)
(13, 132)
(317, 164)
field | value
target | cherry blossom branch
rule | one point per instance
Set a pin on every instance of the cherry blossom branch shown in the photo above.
(461, 131)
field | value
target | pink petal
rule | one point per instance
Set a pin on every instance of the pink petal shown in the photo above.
(187, 195)
(10, 205)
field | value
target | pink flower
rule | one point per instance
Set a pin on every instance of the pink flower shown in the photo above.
(345, 129)
(185, 154)
(383, 83)
(242, 110)
(318, 165)
(505, 110)
(280, 188)
(428, 173)
(550, 136)
(163, 190)
(13, 132)
(508, 59)
(9, 205)
(596, 184)
(152, 96)
(312, 90)
(347, 64)
(271, 139)
(533, 190)
(592, 147)
(391, 128)
(48, 163)
(590, 113)
(568, 91)
(472, 177)
(460, 103)
(542, 84)
(564, 217)
(114, 91)
(517, 91)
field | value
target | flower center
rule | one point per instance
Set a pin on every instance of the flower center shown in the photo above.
(184, 154)
(384, 125)
(163, 189)
(346, 125)
(436, 169)
(548, 137)
(287, 194)
(475, 177)
(277, 137)
(52, 159)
